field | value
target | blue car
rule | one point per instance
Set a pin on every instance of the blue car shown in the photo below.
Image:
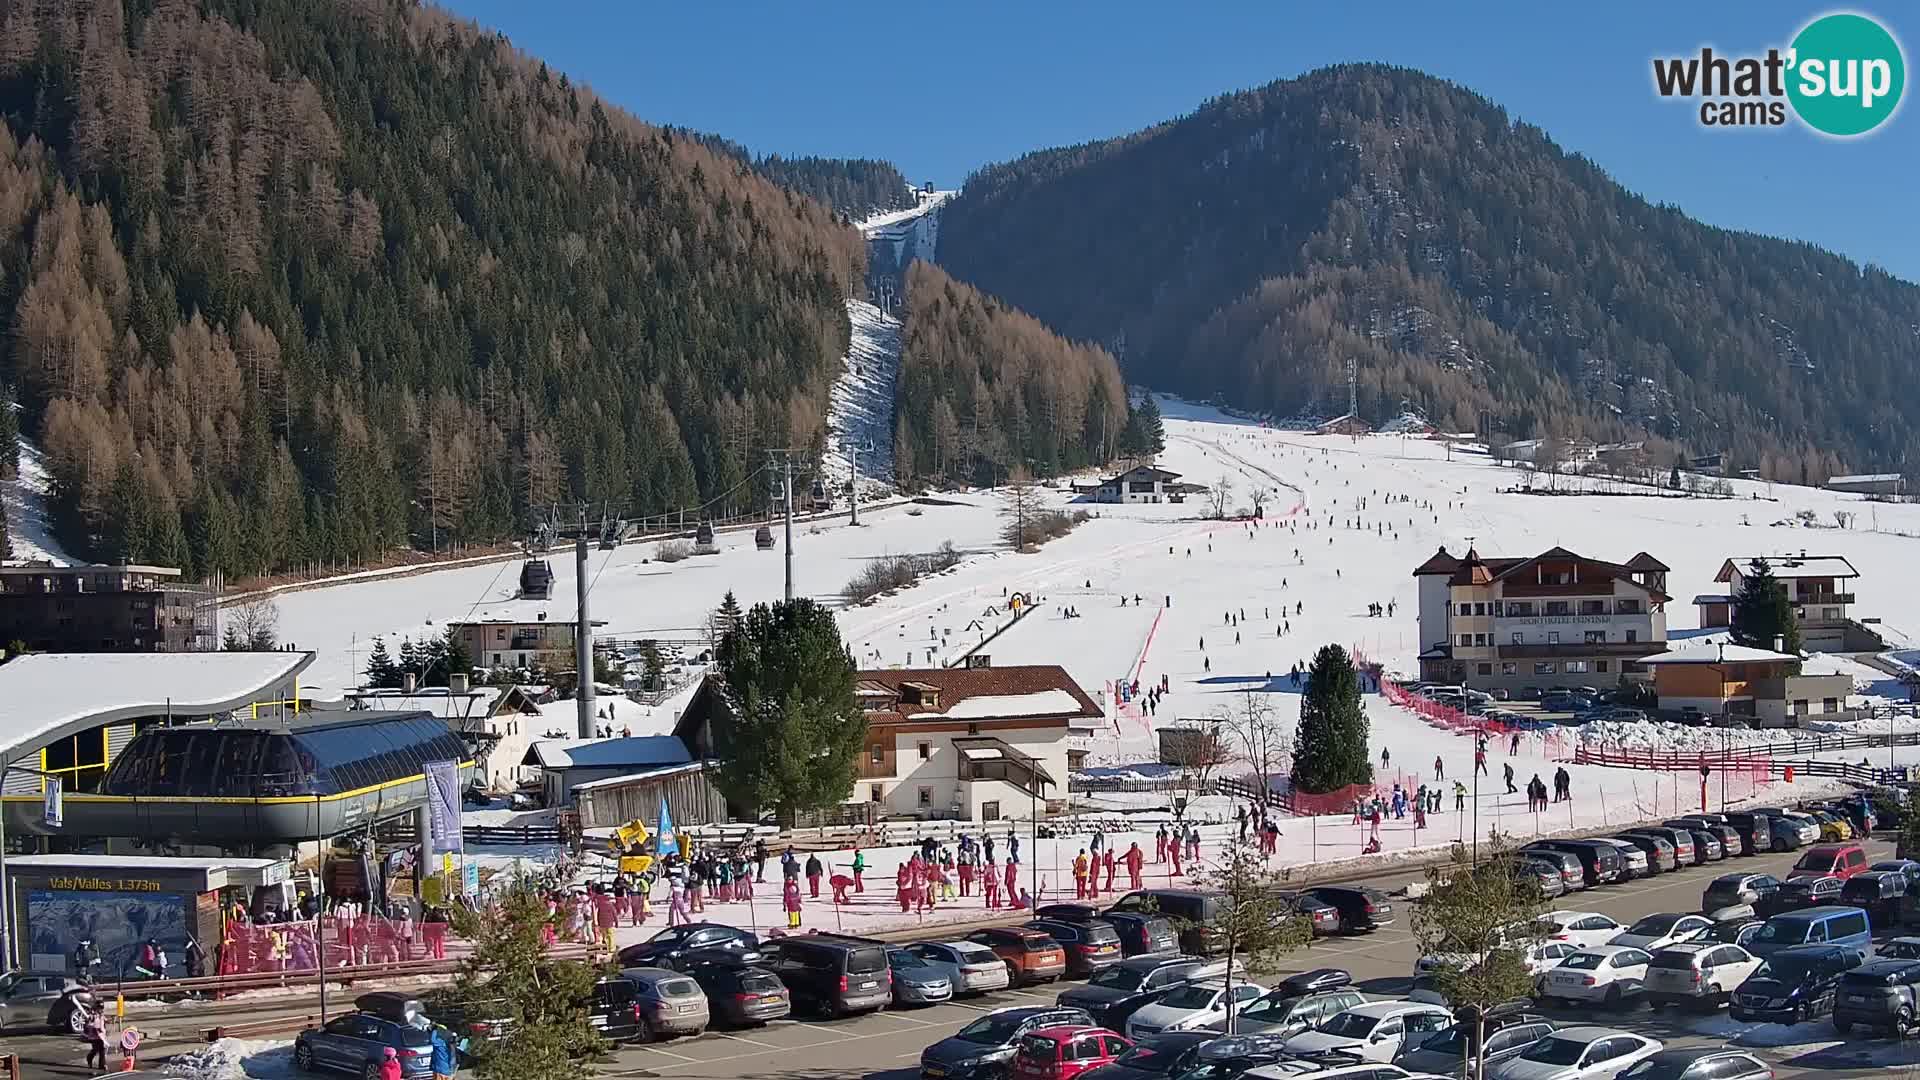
(357, 1043)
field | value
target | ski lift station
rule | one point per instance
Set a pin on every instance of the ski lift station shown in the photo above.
(209, 754)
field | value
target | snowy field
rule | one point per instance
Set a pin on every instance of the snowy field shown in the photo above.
(1190, 574)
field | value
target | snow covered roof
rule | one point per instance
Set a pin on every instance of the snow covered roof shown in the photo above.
(478, 703)
(529, 612)
(1715, 654)
(632, 750)
(989, 693)
(1790, 566)
(1865, 478)
(1144, 472)
(641, 774)
(1038, 703)
(1713, 598)
(46, 695)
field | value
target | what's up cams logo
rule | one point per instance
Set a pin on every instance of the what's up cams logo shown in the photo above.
(1842, 76)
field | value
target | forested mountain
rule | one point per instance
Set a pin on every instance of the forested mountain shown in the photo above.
(293, 282)
(1471, 268)
(857, 187)
(985, 389)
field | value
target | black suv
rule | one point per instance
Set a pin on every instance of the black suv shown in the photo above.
(985, 1048)
(1878, 893)
(670, 946)
(1189, 910)
(1795, 985)
(1879, 994)
(833, 974)
(1361, 909)
(1601, 863)
(1141, 933)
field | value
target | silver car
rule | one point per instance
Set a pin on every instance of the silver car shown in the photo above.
(40, 1000)
(916, 982)
(670, 1003)
(970, 967)
(1578, 1053)
(1278, 1015)
(1193, 1007)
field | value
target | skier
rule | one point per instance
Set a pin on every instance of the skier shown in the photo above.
(1385, 757)
(1508, 769)
(1439, 769)
(1459, 795)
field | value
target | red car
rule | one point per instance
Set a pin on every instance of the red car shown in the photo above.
(1831, 860)
(1062, 1053)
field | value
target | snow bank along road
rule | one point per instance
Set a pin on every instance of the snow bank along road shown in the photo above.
(886, 1045)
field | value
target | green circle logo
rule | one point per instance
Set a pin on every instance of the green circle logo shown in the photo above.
(1847, 74)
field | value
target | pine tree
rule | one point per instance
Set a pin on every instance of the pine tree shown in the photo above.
(129, 518)
(790, 716)
(652, 664)
(458, 660)
(510, 974)
(410, 661)
(1330, 746)
(382, 673)
(434, 660)
(1762, 611)
(1153, 429)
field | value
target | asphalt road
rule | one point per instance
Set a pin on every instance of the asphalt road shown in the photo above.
(887, 1045)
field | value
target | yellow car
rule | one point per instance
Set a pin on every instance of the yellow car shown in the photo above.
(1832, 826)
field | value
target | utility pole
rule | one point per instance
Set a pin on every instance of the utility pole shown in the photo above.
(783, 461)
(583, 622)
(853, 484)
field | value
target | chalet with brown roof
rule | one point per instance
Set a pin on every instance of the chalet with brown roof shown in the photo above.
(978, 743)
(1553, 619)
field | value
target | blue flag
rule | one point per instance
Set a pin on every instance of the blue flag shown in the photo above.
(664, 842)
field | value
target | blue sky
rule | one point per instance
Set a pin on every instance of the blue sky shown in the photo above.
(940, 89)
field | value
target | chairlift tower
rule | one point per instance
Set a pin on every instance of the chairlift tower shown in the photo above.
(582, 532)
(780, 462)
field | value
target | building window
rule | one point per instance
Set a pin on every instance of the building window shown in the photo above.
(1520, 608)
(1829, 613)
(1632, 667)
(1518, 637)
(1633, 636)
(879, 754)
(1830, 704)
(1480, 640)
(1509, 668)
(1600, 666)
(874, 793)
(990, 811)
(500, 633)
(1479, 609)
(1558, 607)
(1486, 669)
(1593, 607)
(1576, 667)
(926, 796)
(1466, 609)
(1466, 639)
(1627, 607)
(1553, 637)
(1545, 667)
(1596, 637)
(1800, 707)
(926, 751)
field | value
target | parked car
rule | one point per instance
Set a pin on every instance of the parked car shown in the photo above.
(1144, 935)
(1879, 893)
(1794, 985)
(1905, 867)
(971, 967)
(1755, 829)
(613, 1012)
(1829, 924)
(1451, 1052)
(1661, 857)
(1539, 957)
(358, 1043)
(833, 974)
(985, 1047)
(1544, 875)
(1585, 929)
(1880, 994)
(1834, 827)
(1656, 932)
(1193, 1007)
(1321, 915)
(1700, 1063)
(1729, 838)
(1707, 846)
(1326, 1067)
(916, 982)
(1790, 831)
(1063, 1053)
(743, 995)
(1601, 863)
(1274, 1014)
(49, 1000)
(1135, 976)
(1361, 909)
(1031, 956)
(1192, 911)
(665, 948)
(1681, 840)
(1573, 874)
(1312, 982)
(669, 1002)
(1578, 1053)
(1089, 946)
(1237, 1056)
(1607, 973)
(1900, 948)
(1730, 922)
(1637, 864)
(1805, 892)
(1703, 973)
(1730, 889)
(1168, 1054)
(1375, 1031)
(1840, 860)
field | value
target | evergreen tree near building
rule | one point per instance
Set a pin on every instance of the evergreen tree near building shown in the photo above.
(1762, 611)
(382, 672)
(1330, 744)
(409, 659)
(459, 661)
(510, 974)
(1144, 434)
(790, 723)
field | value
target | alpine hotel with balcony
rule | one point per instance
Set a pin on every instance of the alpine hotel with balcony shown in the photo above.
(1551, 620)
